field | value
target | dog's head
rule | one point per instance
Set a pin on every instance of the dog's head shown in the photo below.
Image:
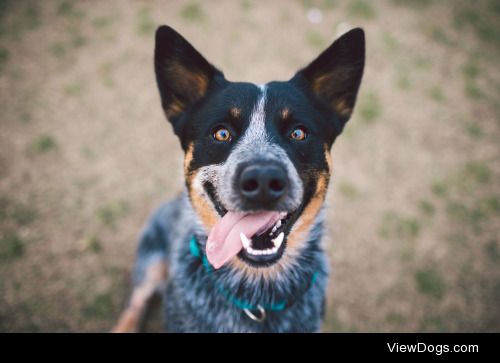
(257, 158)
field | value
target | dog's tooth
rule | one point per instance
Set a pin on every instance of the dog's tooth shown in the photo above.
(279, 240)
(276, 226)
(245, 241)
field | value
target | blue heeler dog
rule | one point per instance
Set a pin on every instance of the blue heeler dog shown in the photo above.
(242, 246)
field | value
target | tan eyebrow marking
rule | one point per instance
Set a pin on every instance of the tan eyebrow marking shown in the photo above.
(235, 112)
(285, 113)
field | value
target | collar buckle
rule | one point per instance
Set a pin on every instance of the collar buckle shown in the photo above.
(261, 315)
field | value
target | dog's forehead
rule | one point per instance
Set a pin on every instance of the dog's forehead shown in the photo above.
(271, 100)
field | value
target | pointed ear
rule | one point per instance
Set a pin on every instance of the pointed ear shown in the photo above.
(334, 77)
(182, 74)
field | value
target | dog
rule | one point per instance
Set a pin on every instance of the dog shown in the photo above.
(242, 245)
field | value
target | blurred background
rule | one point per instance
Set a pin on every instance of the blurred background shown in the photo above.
(86, 154)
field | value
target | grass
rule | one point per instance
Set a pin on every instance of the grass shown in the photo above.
(426, 207)
(109, 214)
(489, 205)
(11, 246)
(472, 175)
(430, 283)
(477, 171)
(348, 190)
(57, 49)
(403, 81)
(78, 40)
(418, 4)
(192, 12)
(91, 244)
(472, 90)
(103, 22)
(370, 107)
(470, 69)
(246, 5)
(32, 15)
(4, 57)
(485, 29)
(67, 9)
(439, 35)
(145, 24)
(437, 94)
(473, 130)
(471, 216)
(396, 226)
(362, 9)
(492, 251)
(105, 73)
(44, 144)
(75, 89)
(433, 324)
(315, 39)
(27, 18)
(22, 215)
(395, 319)
(390, 43)
(100, 308)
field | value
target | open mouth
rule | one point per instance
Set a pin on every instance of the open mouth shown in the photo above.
(266, 248)
(258, 238)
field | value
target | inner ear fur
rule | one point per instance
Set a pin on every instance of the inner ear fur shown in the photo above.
(335, 75)
(183, 75)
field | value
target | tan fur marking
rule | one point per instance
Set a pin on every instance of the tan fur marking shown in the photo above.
(235, 112)
(342, 108)
(301, 227)
(130, 319)
(321, 86)
(188, 158)
(188, 80)
(328, 158)
(175, 108)
(285, 113)
(200, 203)
(204, 209)
(319, 82)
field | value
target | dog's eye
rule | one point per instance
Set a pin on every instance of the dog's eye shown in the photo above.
(299, 133)
(222, 134)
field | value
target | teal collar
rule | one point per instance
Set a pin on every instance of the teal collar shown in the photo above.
(241, 304)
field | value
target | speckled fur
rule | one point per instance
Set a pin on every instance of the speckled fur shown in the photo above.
(197, 100)
(193, 304)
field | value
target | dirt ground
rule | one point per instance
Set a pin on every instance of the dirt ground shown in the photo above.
(86, 154)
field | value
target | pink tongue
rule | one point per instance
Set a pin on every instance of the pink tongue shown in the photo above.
(224, 241)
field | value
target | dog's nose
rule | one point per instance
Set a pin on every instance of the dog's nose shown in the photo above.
(263, 182)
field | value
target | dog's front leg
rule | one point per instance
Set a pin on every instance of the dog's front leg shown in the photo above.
(154, 281)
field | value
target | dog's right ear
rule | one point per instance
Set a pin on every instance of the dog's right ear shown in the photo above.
(182, 74)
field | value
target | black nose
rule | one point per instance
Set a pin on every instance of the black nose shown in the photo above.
(263, 182)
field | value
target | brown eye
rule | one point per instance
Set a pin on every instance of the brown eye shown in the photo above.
(222, 134)
(298, 134)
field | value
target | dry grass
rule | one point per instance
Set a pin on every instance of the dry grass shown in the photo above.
(85, 154)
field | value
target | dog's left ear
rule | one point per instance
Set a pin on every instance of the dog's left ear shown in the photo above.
(182, 73)
(334, 77)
